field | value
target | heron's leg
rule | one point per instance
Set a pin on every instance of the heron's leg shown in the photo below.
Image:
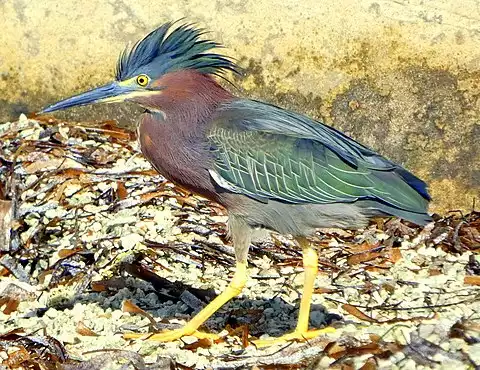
(310, 265)
(241, 235)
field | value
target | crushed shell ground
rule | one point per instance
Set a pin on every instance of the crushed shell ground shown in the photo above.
(118, 213)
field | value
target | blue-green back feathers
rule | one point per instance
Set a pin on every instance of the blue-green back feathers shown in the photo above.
(167, 50)
(266, 152)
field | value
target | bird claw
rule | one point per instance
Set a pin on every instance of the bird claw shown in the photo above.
(171, 335)
(296, 336)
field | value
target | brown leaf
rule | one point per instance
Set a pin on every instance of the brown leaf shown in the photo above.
(122, 192)
(103, 285)
(355, 259)
(395, 255)
(369, 348)
(364, 247)
(201, 343)
(144, 173)
(154, 194)
(64, 253)
(84, 330)
(58, 193)
(11, 304)
(325, 290)
(434, 271)
(130, 307)
(39, 166)
(244, 332)
(111, 129)
(334, 350)
(352, 310)
(17, 358)
(71, 172)
(472, 280)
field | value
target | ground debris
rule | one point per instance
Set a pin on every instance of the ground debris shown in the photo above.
(96, 244)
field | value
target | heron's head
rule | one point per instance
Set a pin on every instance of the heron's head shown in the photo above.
(146, 69)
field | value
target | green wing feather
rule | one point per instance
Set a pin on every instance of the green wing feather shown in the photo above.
(257, 157)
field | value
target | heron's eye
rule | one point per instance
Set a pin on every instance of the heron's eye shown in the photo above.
(143, 80)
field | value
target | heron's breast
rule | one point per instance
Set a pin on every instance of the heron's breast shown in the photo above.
(180, 157)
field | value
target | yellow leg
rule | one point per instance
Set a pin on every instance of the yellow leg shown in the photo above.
(301, 333)
(232, 290)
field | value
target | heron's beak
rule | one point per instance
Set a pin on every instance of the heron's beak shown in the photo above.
(113, 92)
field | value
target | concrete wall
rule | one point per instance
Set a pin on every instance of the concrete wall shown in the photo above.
(400, 76)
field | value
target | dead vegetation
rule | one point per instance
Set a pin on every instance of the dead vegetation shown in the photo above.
(81, 213)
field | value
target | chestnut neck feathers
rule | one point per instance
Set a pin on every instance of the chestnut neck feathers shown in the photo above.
(175, 141)
(187, 98)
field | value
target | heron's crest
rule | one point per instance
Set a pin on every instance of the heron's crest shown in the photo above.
(158, 53)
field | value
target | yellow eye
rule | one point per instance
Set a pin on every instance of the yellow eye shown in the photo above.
(143, 80)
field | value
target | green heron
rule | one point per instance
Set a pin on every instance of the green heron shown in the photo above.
(269, 167)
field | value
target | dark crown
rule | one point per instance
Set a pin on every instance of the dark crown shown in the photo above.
(181, 49)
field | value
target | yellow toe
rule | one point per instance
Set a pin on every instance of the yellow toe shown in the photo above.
(171, 335)
(296, 336)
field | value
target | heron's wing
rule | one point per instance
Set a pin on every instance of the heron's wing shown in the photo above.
(268, 153)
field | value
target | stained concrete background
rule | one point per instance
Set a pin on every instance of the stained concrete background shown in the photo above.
(400, 76)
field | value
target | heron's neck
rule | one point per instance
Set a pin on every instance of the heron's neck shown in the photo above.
(188, 98)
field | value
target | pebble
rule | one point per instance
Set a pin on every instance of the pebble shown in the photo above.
(189, 339)
(101, 310)
(131, 240)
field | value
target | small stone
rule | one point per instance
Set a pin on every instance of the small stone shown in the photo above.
(189, 339)
(55, 212)
(104, 186)
(176, 230)
(51, 313)
(23, 120)
(317, 318)
(131, 240)
(71, 189)
(122, 220)
(474, 352)
(31, 179)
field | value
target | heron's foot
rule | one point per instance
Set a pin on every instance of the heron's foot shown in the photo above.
(172, 335)
(296, 336)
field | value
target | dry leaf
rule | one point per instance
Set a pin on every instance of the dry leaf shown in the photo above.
(11, 304)
(472, 280)
(147, 196)
(334, 350)
(64, 253)
(103, 285)
(71, 172)
(84, 330)
(434, 271)
(395, 255)
(17, 358)
(369, 348)
(324, 290)
(41, 166)
(130, 307)
(363, 256)
(122, 192)
(354, 311)
(201, 343)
